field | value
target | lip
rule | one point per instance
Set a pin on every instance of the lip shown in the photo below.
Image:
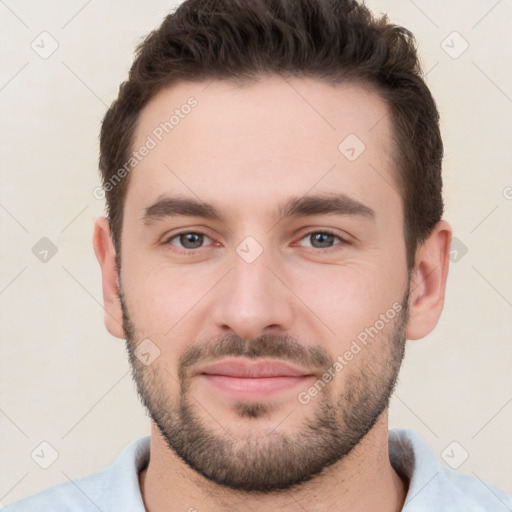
(247, 380)
(246, 368)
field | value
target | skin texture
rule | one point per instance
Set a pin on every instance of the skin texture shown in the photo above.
(246, 150)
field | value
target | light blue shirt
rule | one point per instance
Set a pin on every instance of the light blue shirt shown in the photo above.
(433, 487)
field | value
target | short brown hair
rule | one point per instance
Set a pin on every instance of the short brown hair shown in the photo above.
(330, 40)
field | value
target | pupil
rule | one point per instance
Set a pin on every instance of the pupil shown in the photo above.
(191, 240)
(322, 238)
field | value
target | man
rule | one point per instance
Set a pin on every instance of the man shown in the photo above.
(272, 171)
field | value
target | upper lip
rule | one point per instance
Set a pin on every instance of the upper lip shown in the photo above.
(245, 368)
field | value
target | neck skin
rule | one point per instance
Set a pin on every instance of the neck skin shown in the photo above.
(362, 481)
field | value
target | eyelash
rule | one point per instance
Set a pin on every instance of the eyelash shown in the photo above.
(343, 241)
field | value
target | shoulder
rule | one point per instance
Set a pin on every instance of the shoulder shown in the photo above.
(80, 495)
(111, 489)
(476, 491)
(433, 486)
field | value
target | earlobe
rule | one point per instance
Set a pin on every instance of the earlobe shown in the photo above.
(428, 282)
(106, 255)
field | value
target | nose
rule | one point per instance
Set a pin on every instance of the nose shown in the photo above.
(253, 299)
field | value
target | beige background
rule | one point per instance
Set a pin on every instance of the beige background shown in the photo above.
(65, 380)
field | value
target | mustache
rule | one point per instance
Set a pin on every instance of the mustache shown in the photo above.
(283, 347)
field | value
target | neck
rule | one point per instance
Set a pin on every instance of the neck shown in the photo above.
(363, 481)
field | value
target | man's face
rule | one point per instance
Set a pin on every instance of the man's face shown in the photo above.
(251, 308)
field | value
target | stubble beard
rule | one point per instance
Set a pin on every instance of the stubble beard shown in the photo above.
(265, 462)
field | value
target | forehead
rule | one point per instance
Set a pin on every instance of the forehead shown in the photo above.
(246, 144)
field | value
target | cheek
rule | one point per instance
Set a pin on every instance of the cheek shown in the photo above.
(161, 297)
(350, 298)
(158, 305)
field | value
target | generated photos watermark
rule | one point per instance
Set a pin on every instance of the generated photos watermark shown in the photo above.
(151, 142)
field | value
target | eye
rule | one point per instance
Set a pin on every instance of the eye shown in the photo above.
(188, 240)
(192, 240)
(323, 239)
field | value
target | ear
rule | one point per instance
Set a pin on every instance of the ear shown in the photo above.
(106, 255)
(428, 282)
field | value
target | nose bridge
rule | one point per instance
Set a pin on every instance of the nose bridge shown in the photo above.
(252, 298)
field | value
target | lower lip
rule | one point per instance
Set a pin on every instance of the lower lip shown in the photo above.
(254, 388)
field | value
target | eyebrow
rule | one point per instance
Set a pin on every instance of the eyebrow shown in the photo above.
(338, 204)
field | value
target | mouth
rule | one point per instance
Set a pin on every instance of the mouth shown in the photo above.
(247, 380)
